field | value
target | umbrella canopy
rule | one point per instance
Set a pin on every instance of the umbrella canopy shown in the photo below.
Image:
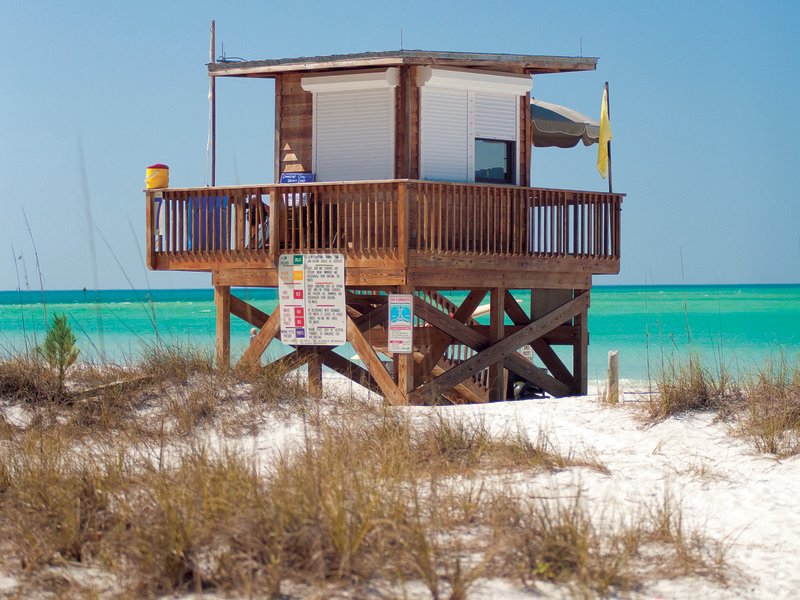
(559, 126)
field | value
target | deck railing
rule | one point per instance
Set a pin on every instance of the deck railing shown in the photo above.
(381, 219)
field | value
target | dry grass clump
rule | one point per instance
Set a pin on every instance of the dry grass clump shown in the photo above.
(55, 503)
(175, 363)
(277, 385)
(27, 378)
(765, 406)
(562, 541)
(684, 385)
(467, 444)
(771, 413)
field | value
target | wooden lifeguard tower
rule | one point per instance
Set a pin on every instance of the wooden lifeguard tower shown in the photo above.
(420, 164)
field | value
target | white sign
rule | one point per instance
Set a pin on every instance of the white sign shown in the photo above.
(311, 295)
(401, 323)
(527, 352)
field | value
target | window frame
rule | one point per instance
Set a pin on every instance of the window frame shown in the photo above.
(510, 170)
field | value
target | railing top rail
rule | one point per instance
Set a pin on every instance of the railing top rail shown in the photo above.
(290, 186)
(287, 186)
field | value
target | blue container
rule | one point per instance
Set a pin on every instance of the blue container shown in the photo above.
(207, 228)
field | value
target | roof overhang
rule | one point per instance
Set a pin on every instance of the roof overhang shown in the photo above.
(506, 63)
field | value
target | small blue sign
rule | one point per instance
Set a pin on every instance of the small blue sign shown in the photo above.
(297, 178)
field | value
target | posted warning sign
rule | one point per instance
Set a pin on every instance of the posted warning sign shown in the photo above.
(401, 323)
(311, 296)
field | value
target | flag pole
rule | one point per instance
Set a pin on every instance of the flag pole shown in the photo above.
(608, 109)
(212, 99)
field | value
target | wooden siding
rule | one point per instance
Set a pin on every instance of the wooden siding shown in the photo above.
(294, 127)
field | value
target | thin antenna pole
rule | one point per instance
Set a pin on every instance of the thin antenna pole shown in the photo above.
(213, 100)
(401, 38)
(608, 109)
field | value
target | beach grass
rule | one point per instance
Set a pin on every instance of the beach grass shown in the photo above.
(118, 479)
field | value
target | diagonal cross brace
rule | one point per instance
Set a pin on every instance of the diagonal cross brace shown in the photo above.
(505, 349)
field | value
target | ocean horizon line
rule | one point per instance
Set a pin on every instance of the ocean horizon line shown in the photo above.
(615, 286)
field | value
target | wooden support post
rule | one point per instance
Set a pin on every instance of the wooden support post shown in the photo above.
(497, 381)
(403, 233)
(404, 363)
(315, 374)
(580, 352)
(222, 303)
(404, 367)
(612, 394)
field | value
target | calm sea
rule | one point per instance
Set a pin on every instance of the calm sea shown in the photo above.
(738, 324)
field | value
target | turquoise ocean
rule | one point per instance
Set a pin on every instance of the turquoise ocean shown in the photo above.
(740, 325)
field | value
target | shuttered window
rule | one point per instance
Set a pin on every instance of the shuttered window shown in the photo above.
(452, 120)
(354, 135)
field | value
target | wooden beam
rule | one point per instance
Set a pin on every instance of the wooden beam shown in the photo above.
(350, 370)
(543, 350)
(222, 304)
(497, 382)
(389, 389)
(278, 115)
(524, 368)
(552, 361)
(263, 338)
(507, 348)
(477, 341)
(580, 352)
(514, 310)
(377, 316)
(248, 312)
(464, 312)
(315, 374)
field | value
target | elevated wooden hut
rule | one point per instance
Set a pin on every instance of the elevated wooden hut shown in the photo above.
(414, 167)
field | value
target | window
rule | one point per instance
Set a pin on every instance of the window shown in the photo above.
(494, 161)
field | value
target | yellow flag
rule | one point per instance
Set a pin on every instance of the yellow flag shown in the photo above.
(605, 136)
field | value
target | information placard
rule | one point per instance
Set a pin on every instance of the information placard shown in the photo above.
(401, 323)
(312, 302)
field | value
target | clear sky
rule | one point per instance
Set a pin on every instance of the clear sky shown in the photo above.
(703, 108)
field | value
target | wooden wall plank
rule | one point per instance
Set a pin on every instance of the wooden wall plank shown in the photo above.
(295, 123)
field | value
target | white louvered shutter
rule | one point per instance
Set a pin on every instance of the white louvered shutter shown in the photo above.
(354, 135)
(444, 147)
(496, 117)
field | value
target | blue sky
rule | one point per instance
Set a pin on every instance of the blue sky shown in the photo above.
(703, 108)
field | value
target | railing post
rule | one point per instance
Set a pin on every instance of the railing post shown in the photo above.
(151, 258)
(403, 223)
(275, 216)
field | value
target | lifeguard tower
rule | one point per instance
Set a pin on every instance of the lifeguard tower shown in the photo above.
(411, 169)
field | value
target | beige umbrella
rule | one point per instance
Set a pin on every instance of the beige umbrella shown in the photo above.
(562, 127)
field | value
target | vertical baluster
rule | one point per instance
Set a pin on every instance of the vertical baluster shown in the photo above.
(363, 208)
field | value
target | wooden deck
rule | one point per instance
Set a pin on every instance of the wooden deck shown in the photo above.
(396, 232)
